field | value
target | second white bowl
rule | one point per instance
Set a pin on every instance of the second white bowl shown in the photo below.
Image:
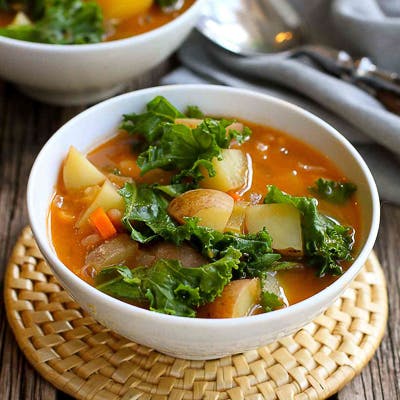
(82, 74)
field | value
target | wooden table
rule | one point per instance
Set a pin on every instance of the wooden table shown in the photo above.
(25, 125)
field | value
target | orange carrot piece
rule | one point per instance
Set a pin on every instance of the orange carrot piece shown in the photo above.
(101, 221)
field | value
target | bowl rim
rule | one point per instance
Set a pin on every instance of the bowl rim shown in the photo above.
(112, 44)
(46, 247)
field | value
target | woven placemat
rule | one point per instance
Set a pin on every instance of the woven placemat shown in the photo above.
(86, 360)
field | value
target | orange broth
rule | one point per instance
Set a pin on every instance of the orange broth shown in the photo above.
(143, 22)
(277, 159)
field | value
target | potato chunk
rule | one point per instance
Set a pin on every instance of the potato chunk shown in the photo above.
(189, 122)
(282, 221)
(119, 250)
(236, 220)
(231, 171)
(237, 300)
(123, 9)
(187, 255)
(79, 172)
(212, 207)
(235, 126)
(107, 198)
(21, 19)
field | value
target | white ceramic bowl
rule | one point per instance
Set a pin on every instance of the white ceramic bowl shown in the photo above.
(82, 74)
(186, 337)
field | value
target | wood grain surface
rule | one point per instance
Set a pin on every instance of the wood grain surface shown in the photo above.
(25, 125)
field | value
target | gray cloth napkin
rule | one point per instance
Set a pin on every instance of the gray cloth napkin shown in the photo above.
(370, 28)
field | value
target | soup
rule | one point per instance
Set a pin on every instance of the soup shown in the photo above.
(80, 22)
(197, 216)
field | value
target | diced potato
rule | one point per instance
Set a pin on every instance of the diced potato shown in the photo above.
(237, 300)
(79, 172)
(212, 207)
(283, 223)
(123, 9)
(236, 220)
(189, 122)
(120, 250)
(235, 126)
(195, 122)
(107, 198)
(187, 255)
(231, 171)
(21, 19)
(89, 194)
(214, 217)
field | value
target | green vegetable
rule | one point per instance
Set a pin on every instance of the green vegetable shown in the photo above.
(62, 22)
(326, 242)
(149, 124)
(187, 150)
(22, 32)
(270, 301)
(284, 266)
(194, 112)
(146, 213)
(267, 262)
(334, 192)
(173, 146)
(180, 148)
(118, 281)
(173, 190)
(167, 286)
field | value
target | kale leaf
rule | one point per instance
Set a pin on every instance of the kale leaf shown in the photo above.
(194, 112)
(167, 286)
(190, 151)
(180, 148)
(149, 124)
(173, 190)
(20, 32)
(118, 281)
(326, 242)
(145, 214)
(62, 22)
(270, 301)
(172, 146)
(334, 192)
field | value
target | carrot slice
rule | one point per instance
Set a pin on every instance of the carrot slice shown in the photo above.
(101, 221)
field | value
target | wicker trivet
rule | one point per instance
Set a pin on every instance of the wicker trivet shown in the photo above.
(88, 361)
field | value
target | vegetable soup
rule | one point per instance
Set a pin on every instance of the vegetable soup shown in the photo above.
(190, 215)
(83, 21)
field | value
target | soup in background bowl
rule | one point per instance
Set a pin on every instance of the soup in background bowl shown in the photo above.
(83, 22)
(307, 143)
(92, 71)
